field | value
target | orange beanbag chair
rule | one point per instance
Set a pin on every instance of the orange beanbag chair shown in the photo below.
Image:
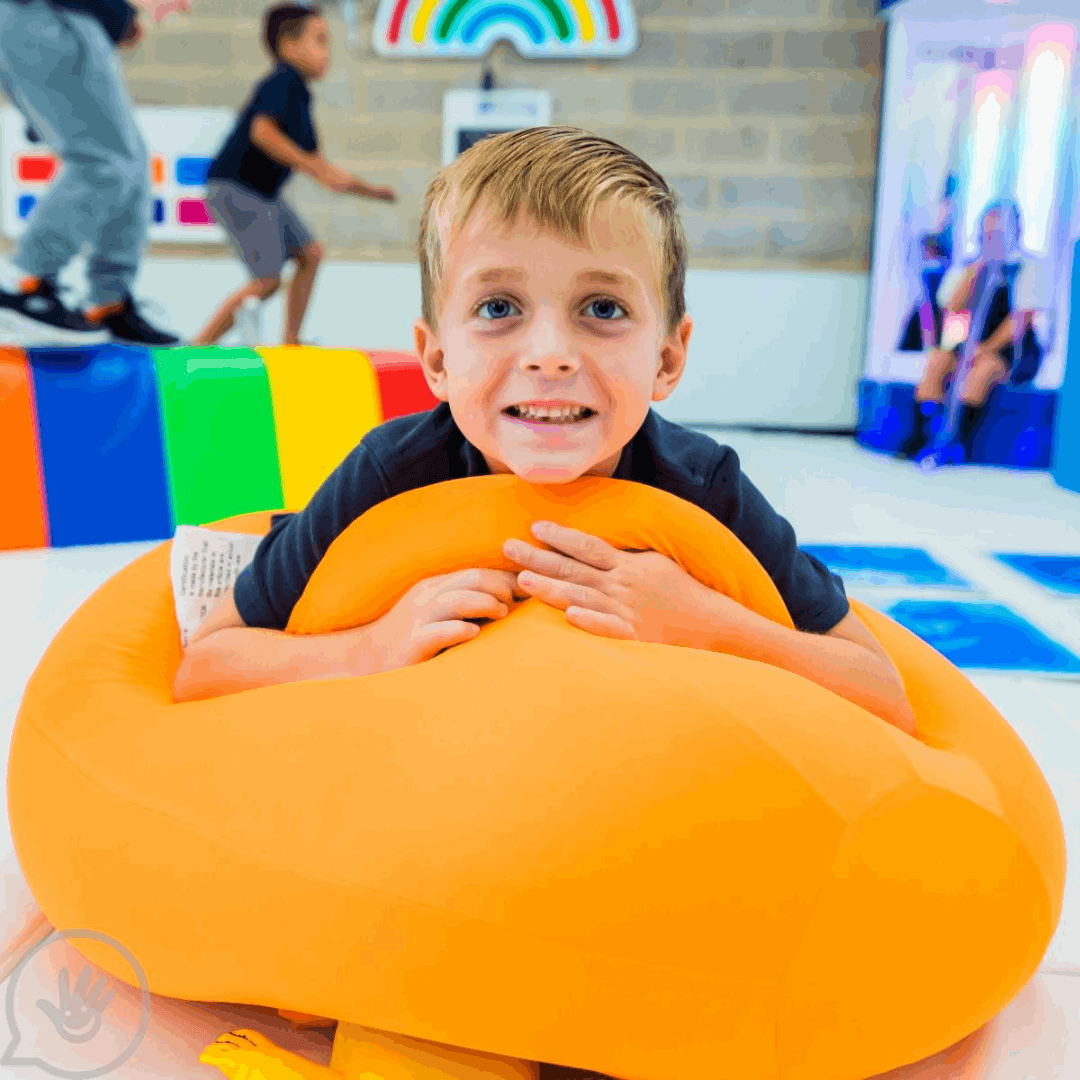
(646, 860)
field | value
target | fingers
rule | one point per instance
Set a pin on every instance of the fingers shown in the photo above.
(499, 583)
(466, 604)
(430, 640)
(602, 624)
(566, 595)
(550, 563)
(580, 546)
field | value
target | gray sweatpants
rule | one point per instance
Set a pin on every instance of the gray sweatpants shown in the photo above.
(61, 71)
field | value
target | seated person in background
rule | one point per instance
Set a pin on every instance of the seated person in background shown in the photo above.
(553, 266)
(1006, 345)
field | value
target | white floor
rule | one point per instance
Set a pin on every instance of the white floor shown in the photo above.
(833, 492)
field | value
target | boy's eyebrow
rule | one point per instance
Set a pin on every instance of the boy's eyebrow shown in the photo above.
(512, 273)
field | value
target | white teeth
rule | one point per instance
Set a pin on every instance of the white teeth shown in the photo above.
(556, 414)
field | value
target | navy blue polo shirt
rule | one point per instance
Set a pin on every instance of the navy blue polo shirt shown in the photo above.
(284, 96)
(427, 448)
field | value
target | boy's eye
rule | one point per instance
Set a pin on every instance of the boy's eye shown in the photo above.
(604, 306)
(498, 306)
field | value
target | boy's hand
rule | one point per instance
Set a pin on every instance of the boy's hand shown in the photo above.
(365, 191)
(635, 595)
(334, 178)
(431, 616)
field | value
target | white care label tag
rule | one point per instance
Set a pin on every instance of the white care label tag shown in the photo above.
(203, 566)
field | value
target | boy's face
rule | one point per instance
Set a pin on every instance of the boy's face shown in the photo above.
(309, 50)
(530, 322)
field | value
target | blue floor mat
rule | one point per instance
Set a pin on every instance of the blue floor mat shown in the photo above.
(1060, 573)
(983, 635)
(889, 566)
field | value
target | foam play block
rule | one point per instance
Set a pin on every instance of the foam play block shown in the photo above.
(983, 636)
(402, 384)
(23, 521)
(1017, 428)
(99, 426)
(220, 439)
(324, 402)
(861, 564)
(1058, 573)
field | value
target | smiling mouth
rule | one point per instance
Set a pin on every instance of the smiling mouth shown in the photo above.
(559, 414)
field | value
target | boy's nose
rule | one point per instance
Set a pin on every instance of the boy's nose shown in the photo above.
(550, 365)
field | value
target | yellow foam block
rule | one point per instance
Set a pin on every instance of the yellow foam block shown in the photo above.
(325, 401)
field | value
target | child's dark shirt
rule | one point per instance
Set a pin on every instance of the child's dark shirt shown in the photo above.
(284, 96)
(427, 448)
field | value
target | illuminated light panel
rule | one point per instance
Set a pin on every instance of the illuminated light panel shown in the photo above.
(35, 168)
(193, 212)
(159, 211)
(26, 204)
(1047, 77)
(993, 93)
(159, 170)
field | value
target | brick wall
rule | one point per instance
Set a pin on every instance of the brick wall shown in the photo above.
(763, 113)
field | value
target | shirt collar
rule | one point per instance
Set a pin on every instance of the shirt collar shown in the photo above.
(284, 65)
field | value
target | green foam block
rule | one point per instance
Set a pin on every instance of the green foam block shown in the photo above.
(220, 440)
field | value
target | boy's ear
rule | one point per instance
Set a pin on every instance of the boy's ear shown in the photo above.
(673, 351)
(430, 354)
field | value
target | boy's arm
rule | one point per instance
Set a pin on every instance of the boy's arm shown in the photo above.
(846, 660)
(275, 144)
(225, 656)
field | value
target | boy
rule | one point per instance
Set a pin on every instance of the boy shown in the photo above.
(275, 135)
(552, 269)
(58, 66)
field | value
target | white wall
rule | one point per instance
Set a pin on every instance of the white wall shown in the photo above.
(770, 347)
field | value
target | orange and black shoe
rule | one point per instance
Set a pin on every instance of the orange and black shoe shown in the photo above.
(123, 321)
(34, 315)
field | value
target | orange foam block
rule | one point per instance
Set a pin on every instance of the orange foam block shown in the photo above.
(23, 522)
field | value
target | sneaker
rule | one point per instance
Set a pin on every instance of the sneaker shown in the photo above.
(37, 317)
(128, 325)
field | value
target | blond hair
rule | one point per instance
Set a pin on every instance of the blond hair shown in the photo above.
(557, 176)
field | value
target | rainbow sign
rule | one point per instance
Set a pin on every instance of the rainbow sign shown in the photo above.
(538, 29)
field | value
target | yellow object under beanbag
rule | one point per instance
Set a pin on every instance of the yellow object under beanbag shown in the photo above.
(650, 861)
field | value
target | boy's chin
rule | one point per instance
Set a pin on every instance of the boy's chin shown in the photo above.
(548, 472)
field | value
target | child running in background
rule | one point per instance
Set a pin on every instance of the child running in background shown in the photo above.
(274, 136)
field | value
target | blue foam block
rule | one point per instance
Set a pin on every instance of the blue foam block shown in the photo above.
(1060, 573)
(858, 564)
(1017, 429)
(102, 451)
(974, 635)
(886, 415)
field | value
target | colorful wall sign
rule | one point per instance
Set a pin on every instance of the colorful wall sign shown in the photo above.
(538, 29)
(181, 142)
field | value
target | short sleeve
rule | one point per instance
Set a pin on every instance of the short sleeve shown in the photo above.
(272, 97)
(814, 597)
(266, 592)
